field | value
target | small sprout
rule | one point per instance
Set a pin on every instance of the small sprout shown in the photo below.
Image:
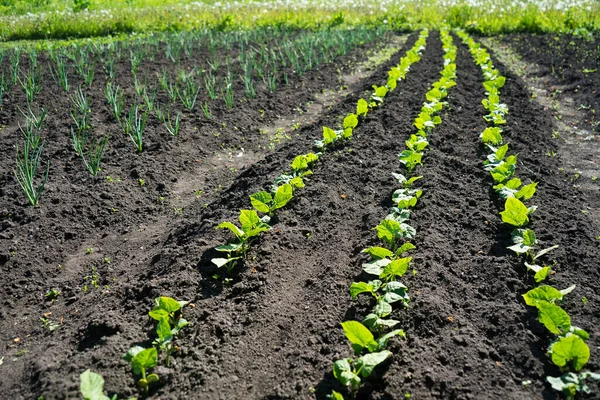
(52, 294)
(141, 182)
(89, 250)
(48, 324)
(584, 300)
(107, 260)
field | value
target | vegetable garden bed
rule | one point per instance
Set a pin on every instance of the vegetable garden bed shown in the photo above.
(271, 328)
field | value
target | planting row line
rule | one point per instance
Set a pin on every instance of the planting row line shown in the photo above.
(281, 192)
(569, 350)
(303, 53)
(387, 263)
(252, 63)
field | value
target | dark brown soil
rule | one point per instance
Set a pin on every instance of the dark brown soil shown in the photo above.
(274, 332)
(572, 63)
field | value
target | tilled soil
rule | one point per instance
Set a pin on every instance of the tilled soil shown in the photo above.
(273, 333)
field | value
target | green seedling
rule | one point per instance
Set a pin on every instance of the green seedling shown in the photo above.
(251, 227)
(570, 383)
(267, 203)
(141, 360)
(349, 371)
(167, 312)
(52, 294)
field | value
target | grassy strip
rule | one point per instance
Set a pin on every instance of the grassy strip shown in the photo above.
(281, 192)
(569, 349)
(78, 20)
(387, 263)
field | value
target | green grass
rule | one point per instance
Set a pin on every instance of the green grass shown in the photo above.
(55, 19)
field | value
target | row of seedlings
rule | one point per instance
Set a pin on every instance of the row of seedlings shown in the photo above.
(569, 350)
(167, 312)
(281, 192)
(387, 263)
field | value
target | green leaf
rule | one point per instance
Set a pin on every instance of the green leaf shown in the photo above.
(519, 248)
(579, 332)
(524, 236)
(283, 195)
(383, 308)
(396, 268)
(515, 212)
(491, 135)
(229, 247)
(335, 396)
(92, 386)
(388, 230)
(541, 273)
(368, 362)
(404, 248)
(357, 288)
(570, 349)
(542, 293)
(395, 291)
(261, 200)
(554, 318)
(181, 322)
(362, 107)
(145, 359)
(376, 267)
(378, 252)
(158, 314)
(360, 336)
(299, 163)
(526, 191)
(513, 183)
(545, 251)
(329, 135)
(249, 219)
(351, 121)
(374, 323)
(219, 262)
(383, 340)
(228, 225)
(168, 304)
(342, 371)
(297, 182)
(501, 152)
(163, 330)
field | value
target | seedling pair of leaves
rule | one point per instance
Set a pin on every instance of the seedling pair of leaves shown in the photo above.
(410, 159)
(417, 143)
(393, 232)
(251, 227)
(379, 93)
(330, 136)
(167, 312)
(406, 198)
(570, 349)
(300, 169)
(406, 182)
(425, 121)
(349, 371)
(267, 203)
(504, 169)
(516, 213)
(511, 189)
